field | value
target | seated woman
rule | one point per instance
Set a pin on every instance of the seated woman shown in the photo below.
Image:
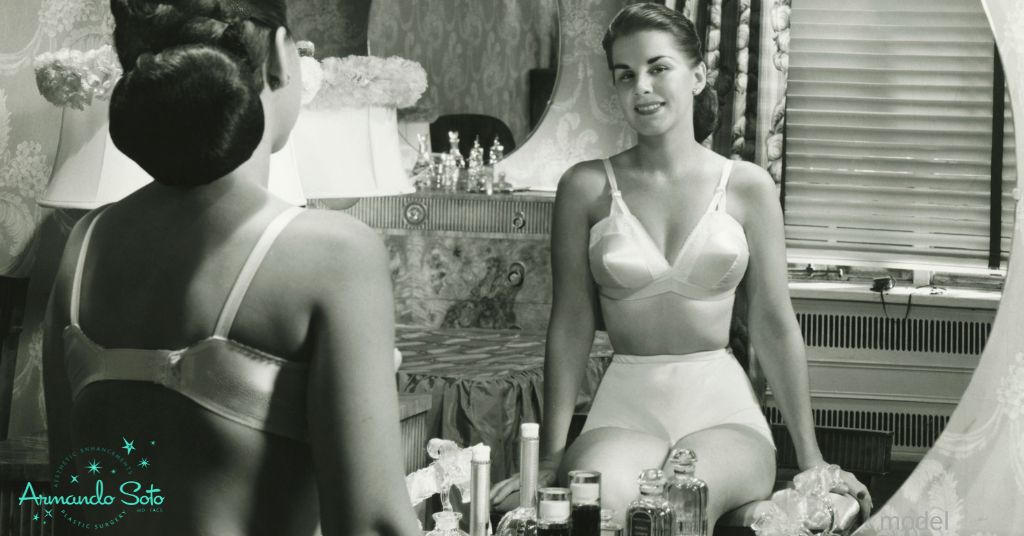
(659, 237)
(245, 344)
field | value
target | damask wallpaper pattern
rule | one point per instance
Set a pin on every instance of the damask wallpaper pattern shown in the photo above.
(477, 53)
(31, 237)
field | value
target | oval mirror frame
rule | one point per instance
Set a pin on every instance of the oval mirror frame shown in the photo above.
(583, 120)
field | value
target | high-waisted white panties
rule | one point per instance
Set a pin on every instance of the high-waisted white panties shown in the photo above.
(672, 396)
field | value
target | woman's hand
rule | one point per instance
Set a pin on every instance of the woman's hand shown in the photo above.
(504, 496)
(849, 485)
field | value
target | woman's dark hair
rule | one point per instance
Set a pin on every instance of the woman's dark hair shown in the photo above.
(187, 109)
(636, 18)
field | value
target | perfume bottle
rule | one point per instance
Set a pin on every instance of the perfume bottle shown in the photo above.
(480, 489)
(449, 172)
(475, 167)
(522, 521)
(586, 502)
(453, 148)
(610, 527)
(650, 514)
(446, 523)
(687, 494)
(423, 169)
(554, 511)
(497, 180)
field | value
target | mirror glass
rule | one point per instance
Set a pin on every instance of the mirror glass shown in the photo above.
(494, 58)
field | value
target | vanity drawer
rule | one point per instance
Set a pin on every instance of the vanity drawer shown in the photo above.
(465, 213)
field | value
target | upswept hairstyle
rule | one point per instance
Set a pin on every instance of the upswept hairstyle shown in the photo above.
(187, 109)
(641, 17)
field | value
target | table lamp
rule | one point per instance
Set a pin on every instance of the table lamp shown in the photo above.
(349, 152)
(89, 171)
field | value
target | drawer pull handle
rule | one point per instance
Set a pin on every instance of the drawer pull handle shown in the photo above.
(415, 213)
(516, 274)
(519, 220)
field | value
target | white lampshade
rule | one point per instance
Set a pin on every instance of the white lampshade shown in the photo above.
(90, 172)
(349, 153)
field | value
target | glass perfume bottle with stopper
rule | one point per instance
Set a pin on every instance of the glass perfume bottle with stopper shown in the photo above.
(553, 512)
(586, 502)
(446, 523)
(522, 521)
(475, 168)
(423, 169)
(650, 514)
(498, 178)
(480, 489)
(687, 494)
(610, 527)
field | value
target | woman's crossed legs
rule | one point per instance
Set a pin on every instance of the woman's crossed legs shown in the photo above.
(736, 462)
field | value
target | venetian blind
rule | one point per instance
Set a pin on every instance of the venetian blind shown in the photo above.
(889, 135)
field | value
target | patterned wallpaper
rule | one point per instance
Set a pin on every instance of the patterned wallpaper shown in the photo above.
(31, 238)
(477, 53)
(337, 28)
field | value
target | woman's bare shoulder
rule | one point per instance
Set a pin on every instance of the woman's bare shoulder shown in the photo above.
(584, 182)
(331, 242)
(753, 188)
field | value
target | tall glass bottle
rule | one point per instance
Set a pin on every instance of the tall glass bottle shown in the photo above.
(480, 490)
(688, 495)
(553, 512)
(650, 514)
(446, 523)
(586, 502)
(522, 521)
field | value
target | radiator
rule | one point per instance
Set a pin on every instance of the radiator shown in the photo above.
(873, 372)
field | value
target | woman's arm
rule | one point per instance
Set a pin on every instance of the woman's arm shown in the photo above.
(574, 301)
(56, 386)
(571, 325)
(352, 401)
(774, 332)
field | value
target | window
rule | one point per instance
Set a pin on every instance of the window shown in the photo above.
(889, 135)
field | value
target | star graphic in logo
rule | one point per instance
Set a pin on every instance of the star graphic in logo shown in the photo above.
(144, 463)
(49, 513)
(94, 466)
(35, 517)
(113, 471)
(74, 479)
(128, 445)
(152, 443)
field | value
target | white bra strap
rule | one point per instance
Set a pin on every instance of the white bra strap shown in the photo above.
(76, 284)
(611, 175)
(249, 269)
(616, 194)
(719, 200)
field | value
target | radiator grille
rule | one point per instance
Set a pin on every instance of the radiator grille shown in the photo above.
(910, 430)
(894, 334)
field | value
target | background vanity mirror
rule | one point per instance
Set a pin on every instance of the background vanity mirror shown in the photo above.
(490, 64)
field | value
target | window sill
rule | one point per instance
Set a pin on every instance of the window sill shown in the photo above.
(861, 292)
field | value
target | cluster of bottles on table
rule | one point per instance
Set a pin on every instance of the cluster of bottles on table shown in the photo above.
(453, 173)
(672, 506)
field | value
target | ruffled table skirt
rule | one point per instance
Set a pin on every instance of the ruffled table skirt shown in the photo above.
(485, 383)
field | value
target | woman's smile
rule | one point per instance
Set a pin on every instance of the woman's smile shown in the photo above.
(648, 108)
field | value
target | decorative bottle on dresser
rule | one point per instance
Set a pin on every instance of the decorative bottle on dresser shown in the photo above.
(650, 514)
(688, 495)
(586, 502)
(480, 489)
(522, 521)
